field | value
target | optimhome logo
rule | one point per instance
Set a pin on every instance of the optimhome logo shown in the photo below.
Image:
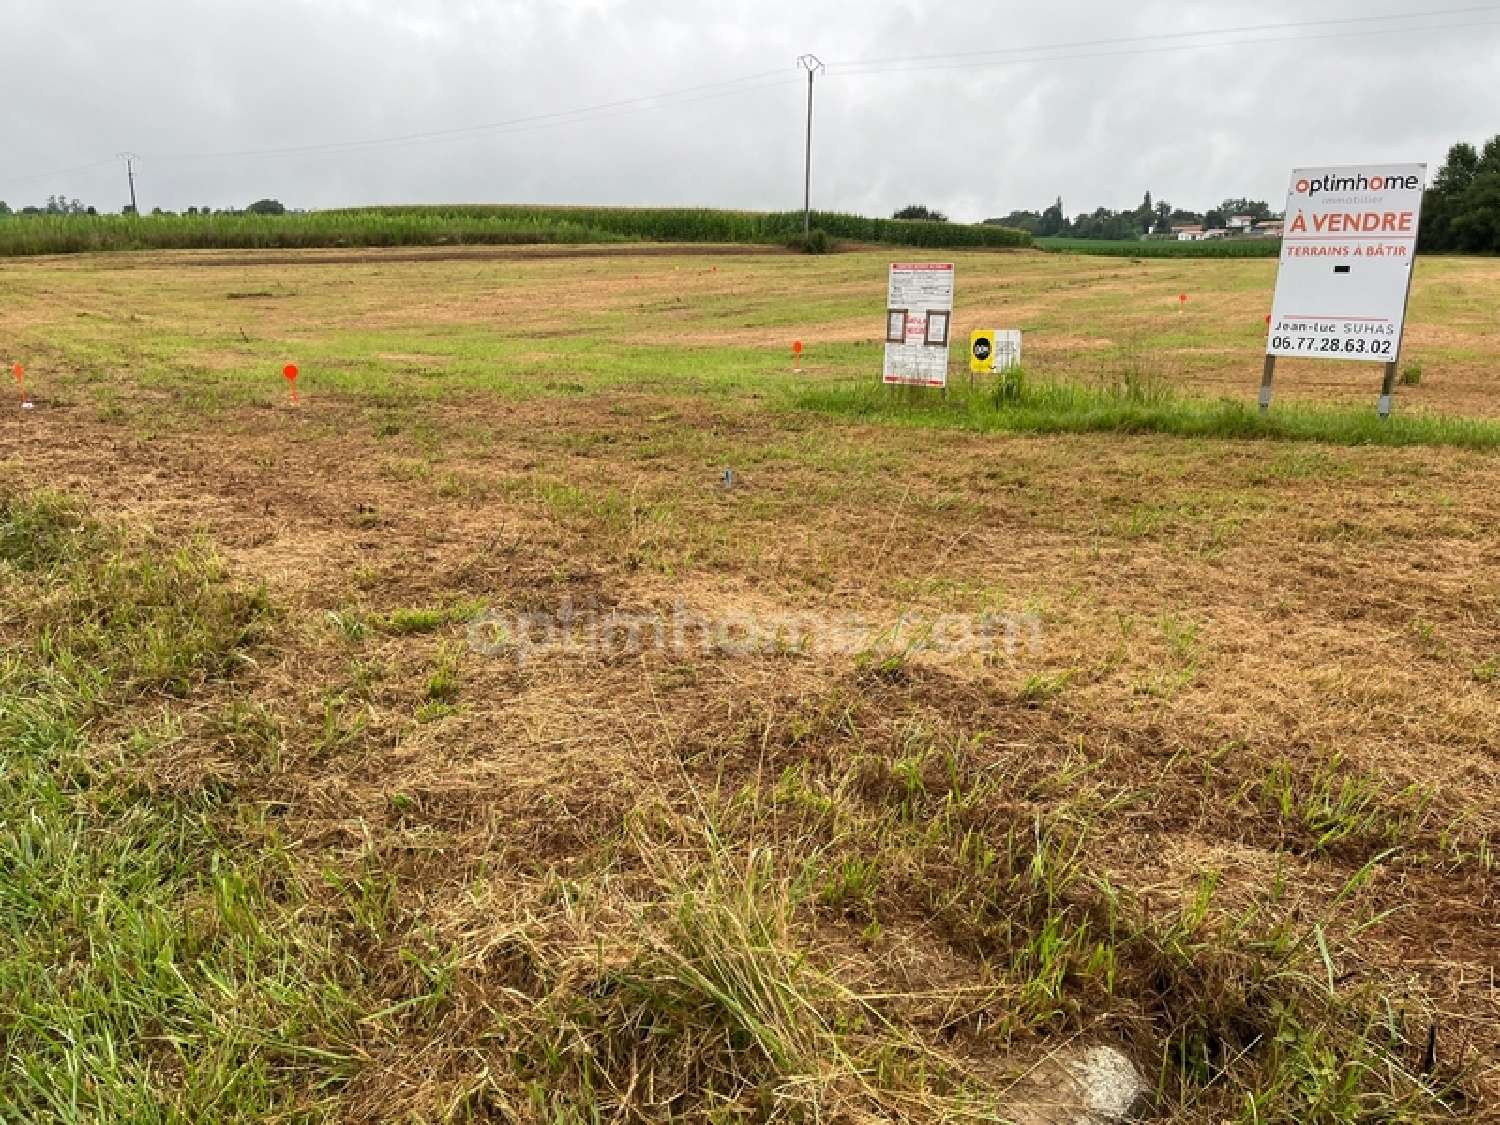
(1357, 183)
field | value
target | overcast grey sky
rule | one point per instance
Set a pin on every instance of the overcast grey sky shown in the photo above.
(185, 82)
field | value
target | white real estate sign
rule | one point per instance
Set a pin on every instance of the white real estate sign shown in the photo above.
(918, 319)
(1346, 262)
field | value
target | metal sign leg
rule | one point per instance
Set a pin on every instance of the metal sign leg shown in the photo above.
(1387, 390)
(1267, 377)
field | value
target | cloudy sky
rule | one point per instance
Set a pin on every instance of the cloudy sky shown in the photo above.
(974, 107)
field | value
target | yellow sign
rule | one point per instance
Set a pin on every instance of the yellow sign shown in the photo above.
(982, 352)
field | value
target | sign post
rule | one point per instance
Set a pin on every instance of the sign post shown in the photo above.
(1346, 267)
(919, 314)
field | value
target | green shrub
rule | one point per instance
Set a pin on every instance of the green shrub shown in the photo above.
(815, 242)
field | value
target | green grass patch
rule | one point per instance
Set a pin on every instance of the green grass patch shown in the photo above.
(147, 970)
(1133, 405)
(164, 958)
(416, 620)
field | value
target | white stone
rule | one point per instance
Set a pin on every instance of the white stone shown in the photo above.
(1112, 1088)
(1084, 1086)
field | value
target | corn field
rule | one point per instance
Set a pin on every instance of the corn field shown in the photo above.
(468, 226)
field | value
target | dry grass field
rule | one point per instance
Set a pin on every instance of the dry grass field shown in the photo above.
(458, 745)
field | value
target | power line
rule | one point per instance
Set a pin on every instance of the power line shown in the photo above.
(644, 102)
(60, 172)
(849, 72)
(500, 130)
(856, 68)
(581, 115)
(752, 82)
(1204, 33)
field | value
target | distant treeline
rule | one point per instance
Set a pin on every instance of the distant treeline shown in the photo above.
(62, 205)
(70, 231)
(1461, 210)
(1151, 218)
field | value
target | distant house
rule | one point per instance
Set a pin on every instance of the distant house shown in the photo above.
(1196, 233)
(1238, 226)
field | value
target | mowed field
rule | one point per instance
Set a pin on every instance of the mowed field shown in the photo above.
(348, 775)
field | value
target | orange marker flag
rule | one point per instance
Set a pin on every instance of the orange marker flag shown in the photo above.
(20, 373)
(290, 372)
(797, 354)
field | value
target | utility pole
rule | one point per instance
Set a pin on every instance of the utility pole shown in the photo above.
(813, 65)
(130, 159)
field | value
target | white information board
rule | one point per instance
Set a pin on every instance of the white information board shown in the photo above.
(1007, 349)
(1346, 262)
(918, 323)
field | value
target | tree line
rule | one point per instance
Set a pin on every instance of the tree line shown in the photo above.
(62, 205)
(1151, 217)
(1461, 210)
(55, 205)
